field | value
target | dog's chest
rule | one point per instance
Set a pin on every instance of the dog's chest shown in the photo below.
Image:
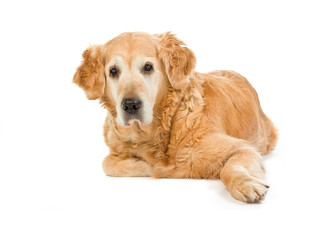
(186, 122)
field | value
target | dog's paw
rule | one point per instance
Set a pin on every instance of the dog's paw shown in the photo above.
(250, 191)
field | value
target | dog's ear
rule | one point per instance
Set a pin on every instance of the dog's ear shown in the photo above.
(178, 60)
(90, 74)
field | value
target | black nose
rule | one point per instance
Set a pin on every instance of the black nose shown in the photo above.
(131, 105)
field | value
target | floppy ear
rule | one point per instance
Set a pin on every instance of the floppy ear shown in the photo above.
(90, 74)
(178, 60)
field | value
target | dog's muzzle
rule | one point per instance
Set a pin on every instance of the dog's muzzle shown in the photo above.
(132, 109)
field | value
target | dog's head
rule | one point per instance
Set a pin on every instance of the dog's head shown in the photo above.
(132, 72)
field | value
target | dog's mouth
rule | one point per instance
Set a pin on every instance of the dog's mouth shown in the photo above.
(131, 119)
(132, 122)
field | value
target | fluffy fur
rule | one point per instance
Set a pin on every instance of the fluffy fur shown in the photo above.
(204, 125)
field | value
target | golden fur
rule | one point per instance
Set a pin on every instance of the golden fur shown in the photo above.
(204, 125)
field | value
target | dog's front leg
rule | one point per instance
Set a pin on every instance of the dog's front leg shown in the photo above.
(214, 156)
(243, 175)
(132, 167)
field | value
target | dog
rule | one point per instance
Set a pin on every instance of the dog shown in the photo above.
(165, 120)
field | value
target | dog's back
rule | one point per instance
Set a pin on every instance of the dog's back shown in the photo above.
(230, 95)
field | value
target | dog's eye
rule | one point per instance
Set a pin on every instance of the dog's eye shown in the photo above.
(147, 68)
(114, 72)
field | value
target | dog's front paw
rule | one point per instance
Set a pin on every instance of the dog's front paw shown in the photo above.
(116, 167)
(250, 191)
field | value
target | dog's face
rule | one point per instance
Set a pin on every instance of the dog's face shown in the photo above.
(132, 71)
(133, 77)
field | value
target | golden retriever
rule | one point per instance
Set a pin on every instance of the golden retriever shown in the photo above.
(167, 121)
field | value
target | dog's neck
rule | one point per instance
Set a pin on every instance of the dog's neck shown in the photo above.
(169, 108)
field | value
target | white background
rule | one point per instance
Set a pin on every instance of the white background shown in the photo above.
(51, 147)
